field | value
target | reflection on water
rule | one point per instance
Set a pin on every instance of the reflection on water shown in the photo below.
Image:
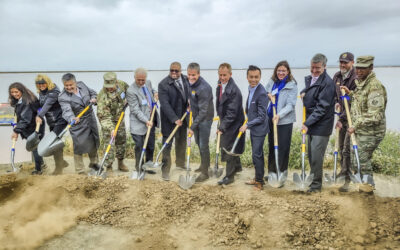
(387, 75)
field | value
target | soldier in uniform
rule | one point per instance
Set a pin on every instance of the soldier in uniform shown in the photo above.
(111, 101)
(345, 77)
(368, 115)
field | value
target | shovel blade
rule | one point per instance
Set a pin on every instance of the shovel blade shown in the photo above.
(302, 184)
(231, 153)
(356, 178)
(49, 144)
(187, 181)
(32, 141)
(328, 179)
(273, 180)
(218, 172)
(340, 180)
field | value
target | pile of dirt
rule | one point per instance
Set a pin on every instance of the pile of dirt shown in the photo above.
(152, 214)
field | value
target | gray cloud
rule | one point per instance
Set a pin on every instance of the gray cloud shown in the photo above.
(106, 34)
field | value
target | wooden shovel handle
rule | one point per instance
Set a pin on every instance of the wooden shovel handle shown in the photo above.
(37, 127)
(149, 128)
(175, 129)
(346, 106)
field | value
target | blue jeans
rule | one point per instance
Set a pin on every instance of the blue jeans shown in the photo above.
(202, 137)
(38, 160)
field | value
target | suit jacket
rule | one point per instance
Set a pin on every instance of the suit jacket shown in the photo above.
(319, 100)
(173, 103)
(257, 112)
(140, 111)
(231, 115)
(85, 134)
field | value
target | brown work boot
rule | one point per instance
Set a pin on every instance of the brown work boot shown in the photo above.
(258, 186)
(121, 166)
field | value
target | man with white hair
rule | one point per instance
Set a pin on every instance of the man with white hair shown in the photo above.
(141, 98)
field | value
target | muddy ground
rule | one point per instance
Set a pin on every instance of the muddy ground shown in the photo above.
(72, 211)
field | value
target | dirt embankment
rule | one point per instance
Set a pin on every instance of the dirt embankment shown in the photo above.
(72, 212)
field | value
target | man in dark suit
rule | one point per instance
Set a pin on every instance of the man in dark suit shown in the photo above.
(256, 109)
(173, 95)
(319, 100)
(230, 111)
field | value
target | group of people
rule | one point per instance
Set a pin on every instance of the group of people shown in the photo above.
(178, 94)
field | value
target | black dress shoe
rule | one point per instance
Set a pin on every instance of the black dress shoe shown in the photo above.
(198, 170)
(226, 181)
(94, 166)
(314, 190)
(202, 177)
(150, 171)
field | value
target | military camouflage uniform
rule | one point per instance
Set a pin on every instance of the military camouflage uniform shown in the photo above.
(109, 108)
(368, 116)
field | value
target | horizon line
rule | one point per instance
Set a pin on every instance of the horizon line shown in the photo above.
(131, 70)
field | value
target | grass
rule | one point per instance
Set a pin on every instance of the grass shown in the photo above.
(386, 158)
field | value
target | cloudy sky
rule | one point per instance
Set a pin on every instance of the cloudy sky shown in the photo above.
(122, 34)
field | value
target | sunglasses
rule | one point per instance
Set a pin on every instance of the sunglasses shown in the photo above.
(40, 82)
(174, 70)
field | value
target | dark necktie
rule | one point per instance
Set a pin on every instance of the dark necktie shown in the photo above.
(180, 87)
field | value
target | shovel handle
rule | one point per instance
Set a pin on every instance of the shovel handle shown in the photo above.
(37, 127)
(119, 120)
(218, 143)
(274, 122)
(175, 129)
(346, 106)
(149, 128)
(13, 144)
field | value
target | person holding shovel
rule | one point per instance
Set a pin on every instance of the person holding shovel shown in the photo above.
(201, 105)
(284, 87)
(85, 136)
(51, 109)
(346, 76)
(256, 109)
(26, 106)
(319, 100)
(110, 104)
(174, 95)
(141, 98)
(369, 100)
(230, 111)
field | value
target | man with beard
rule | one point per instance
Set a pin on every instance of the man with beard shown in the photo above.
(345, 77)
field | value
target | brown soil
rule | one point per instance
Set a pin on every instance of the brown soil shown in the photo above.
(75, 212)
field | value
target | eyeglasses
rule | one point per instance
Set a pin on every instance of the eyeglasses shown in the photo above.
(174, 70)
(41, 82)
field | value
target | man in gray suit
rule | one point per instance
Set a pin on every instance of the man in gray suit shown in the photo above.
(85, 136)
(141, 98)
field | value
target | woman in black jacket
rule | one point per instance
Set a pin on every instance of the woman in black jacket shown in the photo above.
(26, 106)
(51, 109)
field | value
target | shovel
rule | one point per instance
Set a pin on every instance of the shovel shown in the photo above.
(216, 172)
(236, 142)
(101, 171)
(358, 177)
(156, 164)
(33, 140)
(139, 175)
(52, 143)
(330, 180)
(187, 181)
(276, 179)
(303, 181)
(14, 168)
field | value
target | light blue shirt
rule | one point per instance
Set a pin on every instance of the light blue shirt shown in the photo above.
(251, 93)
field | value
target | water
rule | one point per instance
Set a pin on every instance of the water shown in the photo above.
(387, 75)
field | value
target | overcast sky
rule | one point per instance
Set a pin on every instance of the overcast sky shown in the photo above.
(123, 35)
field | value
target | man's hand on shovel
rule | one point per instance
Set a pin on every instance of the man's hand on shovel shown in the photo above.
(76, 119)
(39, 120)
(243, 128)
(14, 136)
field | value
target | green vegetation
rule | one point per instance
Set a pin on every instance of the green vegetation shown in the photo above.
(386, 158)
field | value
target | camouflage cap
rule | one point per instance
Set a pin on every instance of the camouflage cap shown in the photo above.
(346, 57)
(364, 61)
(110, 79)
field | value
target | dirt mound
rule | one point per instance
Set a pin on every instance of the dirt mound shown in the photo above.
(120, 213)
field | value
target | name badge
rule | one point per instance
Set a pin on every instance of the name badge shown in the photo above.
(122, 95)
(274, 92)
(193, 92)
(144, 102)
